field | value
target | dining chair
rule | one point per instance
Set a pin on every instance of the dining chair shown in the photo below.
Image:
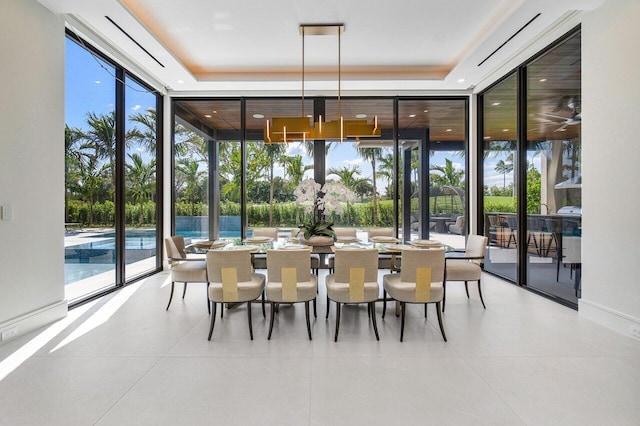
(340, 232)
(260, 260)
(468, 268)
(385, 261)
(232, 280)
(315, 258)
(355, 281)
(184, 269)
(290, 281)
(419, 281)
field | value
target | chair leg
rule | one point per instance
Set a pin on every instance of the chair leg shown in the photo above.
(208, 301)
(335, 339)
(480, 293)
(368, 310)
(170, 295)
(466, 288)
(184, 290)
(372, 309)
(213, 320)
(402, 322)
(249, 316)
(444, 336)
(425, 311)
(315, 311)
(306, 312)
(221, 310)
(444, 294)
(328, 306)
(264, 314)
(384, 303)
(273, 314)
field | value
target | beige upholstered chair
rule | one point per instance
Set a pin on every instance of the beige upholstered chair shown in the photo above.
(458, 226)
(420, 281)
(290, 281)
(384, 260)
(340, 232)
(469, 268)
(315, 258)
(260, 260)
(231, 280)
(355, 281)
(183, 269)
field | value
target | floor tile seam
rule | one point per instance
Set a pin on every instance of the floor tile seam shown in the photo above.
(142, 376)
(498, 395)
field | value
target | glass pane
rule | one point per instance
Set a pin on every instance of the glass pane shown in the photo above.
(273, 171)
(499, 172)
(89, 179)
(141, 225)
(437, 126)
(554, 178)
(191, 174)
(363, 165)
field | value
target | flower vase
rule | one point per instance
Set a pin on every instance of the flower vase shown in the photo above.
(317, 240)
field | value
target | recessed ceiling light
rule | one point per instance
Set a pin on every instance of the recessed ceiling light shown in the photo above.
(426, 110)
(180, 81)
(487, 138)
(505, 130)
(542, 80)
(495, 103)
(214, 111)
(258, 115)
(562, 130)
(309, 116)
(412, 115)
(208, 115)
(361, 115)
(461, 80)
(449, 130)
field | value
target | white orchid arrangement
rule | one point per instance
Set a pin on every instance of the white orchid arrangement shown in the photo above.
(319, 200)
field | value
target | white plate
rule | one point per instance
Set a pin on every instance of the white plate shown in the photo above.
(251, 249)
(426, 243)
(398, 247)
(296, 247)
(258, 240)
(347, 239)
(382, 239)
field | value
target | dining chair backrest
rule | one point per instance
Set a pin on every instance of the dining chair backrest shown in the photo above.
(240, 260)
(476, 246)
(381, 232)
(175, 247)
(345, 232)
(414, 259)
(348, 259)
(266, 232)
(298, 259)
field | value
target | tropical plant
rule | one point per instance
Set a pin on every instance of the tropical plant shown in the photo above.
(505, 167)
(372, 155)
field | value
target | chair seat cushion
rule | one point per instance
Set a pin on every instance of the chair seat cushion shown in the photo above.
(406, 291)
(189, 272)
(463, 270)
(339, 292)
(306, 290)
(247, 290)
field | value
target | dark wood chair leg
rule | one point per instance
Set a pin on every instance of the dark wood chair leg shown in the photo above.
(273, 314)
(480, 293)
(444, 294)
(249, 315)
(372, 309)
(425, 311)
(221, 310)
(213, 320)
(402, 322)
(306, 312)
(335, 339)
(184, 290)
(328, 306)
(444, 336)
(208, 301)
(384, 303)
(368, 310)
(466, 288)
(264, 314)
(315, 311)
(170, 295)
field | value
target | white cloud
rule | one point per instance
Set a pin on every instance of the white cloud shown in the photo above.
(136, 107)
(295, 148)
(354, 162)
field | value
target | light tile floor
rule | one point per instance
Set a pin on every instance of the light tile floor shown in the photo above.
(124, 360)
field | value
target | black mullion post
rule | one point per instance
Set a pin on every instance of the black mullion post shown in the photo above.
(396, 171)
(243, 174)
(521, 147)
(159, 179)
(214, 193)
(466, 210)
(480, 165)
(119, 175)
(425, 166)
(172, 187)
(319, 154)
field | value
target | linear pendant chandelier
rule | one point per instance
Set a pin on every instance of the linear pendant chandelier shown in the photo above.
(293, 129)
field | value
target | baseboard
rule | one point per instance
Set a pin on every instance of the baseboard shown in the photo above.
(34, 319)
(612, 319)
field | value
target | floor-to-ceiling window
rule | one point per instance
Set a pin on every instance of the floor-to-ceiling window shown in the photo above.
(252, 184)
(531, 127)
(111, 154)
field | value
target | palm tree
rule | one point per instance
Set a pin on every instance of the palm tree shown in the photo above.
(273, 153)
(387, 163)
(193, 181)
(348, 175)
(102, 137)
(505, 167)
(372, 154)
(146, 134)
(450, 175)
(140, 180)
(295, 169)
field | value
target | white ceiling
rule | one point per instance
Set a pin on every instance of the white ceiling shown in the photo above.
(244, 45)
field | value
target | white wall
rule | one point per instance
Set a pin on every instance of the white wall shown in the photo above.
(31, 165)
(611, 165)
